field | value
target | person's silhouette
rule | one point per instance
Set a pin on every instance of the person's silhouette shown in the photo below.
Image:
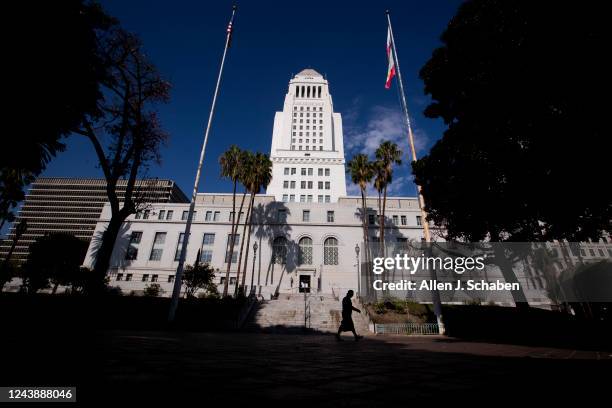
(347, 320)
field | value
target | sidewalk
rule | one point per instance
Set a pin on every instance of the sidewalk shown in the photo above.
(316, 370)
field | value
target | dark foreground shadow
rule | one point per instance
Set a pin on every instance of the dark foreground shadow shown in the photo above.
(145, 366)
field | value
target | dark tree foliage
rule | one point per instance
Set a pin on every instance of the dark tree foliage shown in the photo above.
(54, 259)
(200, 276)
(522, 87)
(57, 71)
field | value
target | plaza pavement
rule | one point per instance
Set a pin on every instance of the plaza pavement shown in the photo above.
(316, 370)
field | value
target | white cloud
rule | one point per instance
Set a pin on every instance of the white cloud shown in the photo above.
(384, 124)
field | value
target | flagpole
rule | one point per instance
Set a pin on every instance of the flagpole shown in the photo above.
(436, 294)
(178, 279)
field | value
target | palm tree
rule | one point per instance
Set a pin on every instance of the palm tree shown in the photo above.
(230, 168)
(362, 171)
(246, 175)
(261, 177)
(388, 154)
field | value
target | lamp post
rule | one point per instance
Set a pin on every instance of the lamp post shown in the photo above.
(358, 274)
(253, 270)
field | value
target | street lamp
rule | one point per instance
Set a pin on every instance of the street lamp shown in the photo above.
(254, 257)
(358, 274)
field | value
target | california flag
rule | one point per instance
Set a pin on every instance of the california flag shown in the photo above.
(391, 69)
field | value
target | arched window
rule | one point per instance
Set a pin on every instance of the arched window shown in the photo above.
(305, 254)
(330, 251)
(279, 250)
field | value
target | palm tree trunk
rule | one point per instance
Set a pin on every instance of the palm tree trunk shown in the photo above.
(366, 246)
(384, 210)
(232, 235)
(380, 224)
(248, 242)
(242, 241)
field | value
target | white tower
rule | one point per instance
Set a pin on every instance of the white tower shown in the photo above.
(307, 145)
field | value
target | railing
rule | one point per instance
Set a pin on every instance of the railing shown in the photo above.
(407, 328)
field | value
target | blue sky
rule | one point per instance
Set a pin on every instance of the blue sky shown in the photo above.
(345, 41)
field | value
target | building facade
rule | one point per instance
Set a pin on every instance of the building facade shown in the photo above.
(307, 150)
(298, 244)
(73, 206)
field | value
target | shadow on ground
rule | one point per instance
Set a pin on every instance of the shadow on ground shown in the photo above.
(118, 364)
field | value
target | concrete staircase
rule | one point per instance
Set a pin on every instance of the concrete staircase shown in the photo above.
(292, 313)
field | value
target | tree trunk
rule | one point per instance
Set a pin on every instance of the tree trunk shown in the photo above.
(366, 246)
(248, 242)
(105, 252)
(509, 276)
(243, 232)
(384, 210)
(231, 243)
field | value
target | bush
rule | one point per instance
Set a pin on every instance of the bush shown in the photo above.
(153, 290)
(380, 308)
(417, 309)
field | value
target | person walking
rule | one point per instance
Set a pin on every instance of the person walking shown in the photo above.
(347, 320)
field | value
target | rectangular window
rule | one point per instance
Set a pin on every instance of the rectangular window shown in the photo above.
(418, 220)
(154, 278)
(302, 184)
(170, 278)
(184, 215)
(320, 172)
(162, 215)
(292, 185)
(330, 216)
(145, 215)
(395, 220)
(320, 199)
(208, 216)
(145, 277)
(158, 246)
(138, 215)
(169, 215)
(327, 199)
(310, 171)
(292, 171)
(302, 198)
(179, 247)
(227, 248)
(403, 220)
(132, 250)
(119, 277)
(209, 239)
(128, 277)
(310, 184)
(327, 185)
(285, 198)
(292, 198)
(320, 185)
(216, 216)
(309, 198)
(286, 171)
(306, 215)
(327, 172)
(206, 256)
(281, 216)
(371, 219)
(286, 184)
(303, 169)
